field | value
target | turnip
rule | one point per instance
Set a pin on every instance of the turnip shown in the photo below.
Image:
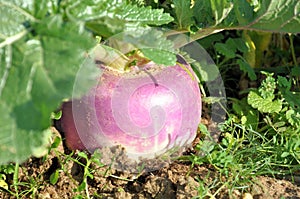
(149, 110)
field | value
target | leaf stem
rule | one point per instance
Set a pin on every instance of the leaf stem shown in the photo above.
(12, 39)
(198, 35)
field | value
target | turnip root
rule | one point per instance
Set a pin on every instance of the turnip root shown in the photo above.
(147, 111)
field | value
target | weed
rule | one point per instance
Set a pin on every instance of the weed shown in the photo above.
(260, 137)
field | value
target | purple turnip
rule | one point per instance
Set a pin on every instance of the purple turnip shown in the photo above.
(147, 111)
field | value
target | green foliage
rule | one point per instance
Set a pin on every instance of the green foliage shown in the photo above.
(114, 16)
(266, 100)
(34, 81)
(152, 44)
(245, 67)
(54, 177)
(279, 112)
(277, 103)
(266, 17)
(269, 15)
(232, 49)
(260, 137)
(265, 105)
(88, 172)
(184, 14)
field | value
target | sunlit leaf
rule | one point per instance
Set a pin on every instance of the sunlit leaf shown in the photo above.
(264, 105)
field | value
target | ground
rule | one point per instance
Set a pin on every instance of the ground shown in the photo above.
(177, 180)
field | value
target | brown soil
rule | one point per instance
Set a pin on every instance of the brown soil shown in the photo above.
(178, 180)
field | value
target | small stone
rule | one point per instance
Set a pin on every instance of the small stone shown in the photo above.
(247, 196)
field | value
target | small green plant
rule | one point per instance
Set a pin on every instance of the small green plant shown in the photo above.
(260, 136)
(270, 114)
(4, 171)
(87, 170)
(233, 50)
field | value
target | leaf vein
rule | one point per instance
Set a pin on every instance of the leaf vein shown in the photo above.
(8, 63)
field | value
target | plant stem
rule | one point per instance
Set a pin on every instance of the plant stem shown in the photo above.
(293, 54)
(293, 50)
(12, 39)
(16, 179)
(85, 175)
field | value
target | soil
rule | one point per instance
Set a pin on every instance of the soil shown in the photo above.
(178, 180)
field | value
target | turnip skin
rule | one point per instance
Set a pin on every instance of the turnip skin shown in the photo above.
(68, 126)
(146, 114)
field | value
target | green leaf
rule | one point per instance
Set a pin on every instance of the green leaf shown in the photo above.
(208, 41)
(283, 82)
(60, 56)
(270, 15)
(230, 47)
(35, 75)
(184, 13)
(243, 11)
(12, 19)
(16, 142)
(81, 187)
(285, 154)
(143, 15)
(114, 15)
(291, 98)
(237, 43)
(248, 115)
(152, 43)
(268, 87)
(208, 72)
(201, 7)
(295, 71)
(264, 105)
(244, 66)
(225, 50)
(278, 16)
(54, 177)
(293, 118)
(160, 56)
(220, 9)
(41, 8)
(56, 142)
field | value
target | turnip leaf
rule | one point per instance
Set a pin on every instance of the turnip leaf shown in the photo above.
(184, 13)
(278, 16)
(160, 56)
(17, 144)
(114, 15)
(36, 74)
(11, 20)
(152, 43)
(143, 15)
(270, 15)
(220, 10)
